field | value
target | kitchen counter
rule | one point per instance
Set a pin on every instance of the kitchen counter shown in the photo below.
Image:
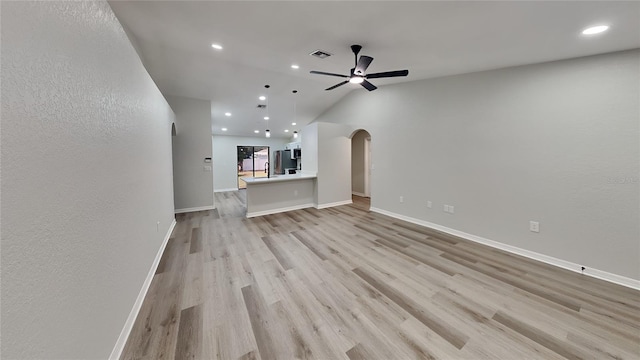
(276, 178)
(279, 193)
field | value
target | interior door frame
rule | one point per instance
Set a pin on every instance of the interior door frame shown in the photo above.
(367, 167)
(252, 150)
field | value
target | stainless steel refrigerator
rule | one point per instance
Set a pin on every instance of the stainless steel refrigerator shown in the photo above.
(282, 161)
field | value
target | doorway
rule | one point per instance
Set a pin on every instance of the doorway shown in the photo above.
(253, 161)
(361, 168)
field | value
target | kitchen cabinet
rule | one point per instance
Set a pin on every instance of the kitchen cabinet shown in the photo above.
(293, 145)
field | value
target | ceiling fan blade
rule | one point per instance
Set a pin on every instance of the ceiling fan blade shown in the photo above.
(388, 74)
(367, 85)
(363, 64)
(330, 74)
(337, 85)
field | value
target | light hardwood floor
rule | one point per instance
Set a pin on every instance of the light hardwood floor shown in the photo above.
(344, 283)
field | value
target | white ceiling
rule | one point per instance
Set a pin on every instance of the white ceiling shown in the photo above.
(262, 39)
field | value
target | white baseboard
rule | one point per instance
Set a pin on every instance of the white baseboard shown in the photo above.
(225, 190)
(599, 274)
(279, 210)
(358, 194)
(201, 208)
(338, 203)
(128, 325)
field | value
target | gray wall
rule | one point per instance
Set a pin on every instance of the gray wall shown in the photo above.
(358, 162)
(334, 164)
(309, 146)
(225, 165)
(86, 176)
(193, 184)
(267, 197)
(555, 143)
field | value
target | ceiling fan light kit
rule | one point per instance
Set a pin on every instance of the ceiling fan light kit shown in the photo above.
(358, 74)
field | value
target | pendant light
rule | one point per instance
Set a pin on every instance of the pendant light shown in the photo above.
(295, 112)
(267, 133)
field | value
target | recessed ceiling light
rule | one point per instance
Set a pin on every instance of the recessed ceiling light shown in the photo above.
(294, 66)
(293, 124)
(286, 130)
(224, 129)
(266, 118)
(227, 114)
(216, 46)
(262, 98)
(595, 30)
(256, 131)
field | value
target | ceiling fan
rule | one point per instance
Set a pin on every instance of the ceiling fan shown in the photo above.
(358, 75)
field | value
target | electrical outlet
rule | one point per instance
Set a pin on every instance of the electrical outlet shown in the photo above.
(158, 226)
(534, 226)
(206, 168)
(429, 204)
(401, 198)
(451, 208)
(295, 192)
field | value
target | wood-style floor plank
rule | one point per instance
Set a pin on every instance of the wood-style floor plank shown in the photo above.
(196, 241)
(260, 323)
(189, 344)
(453, 336)
(346, 283)
(279, 254)
(546, 340)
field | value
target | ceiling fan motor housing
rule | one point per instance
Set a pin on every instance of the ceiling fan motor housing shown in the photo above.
(357, 74)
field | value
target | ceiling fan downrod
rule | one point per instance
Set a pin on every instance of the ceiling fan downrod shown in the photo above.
(356, 50)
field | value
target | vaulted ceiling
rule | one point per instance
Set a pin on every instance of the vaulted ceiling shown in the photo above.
(262, 39)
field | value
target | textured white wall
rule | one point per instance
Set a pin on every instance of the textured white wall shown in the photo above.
(555, 143)
(225, 167)
(192, 144)
(334, 163)
(86, 174)
(309, 146)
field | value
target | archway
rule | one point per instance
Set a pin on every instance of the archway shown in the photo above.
(174, 134)
(361, 168)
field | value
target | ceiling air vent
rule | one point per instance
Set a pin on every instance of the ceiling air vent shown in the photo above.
(262, 106)
(320, 54)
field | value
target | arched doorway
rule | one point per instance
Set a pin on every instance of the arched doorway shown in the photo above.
(361, 168)
(174, 133)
